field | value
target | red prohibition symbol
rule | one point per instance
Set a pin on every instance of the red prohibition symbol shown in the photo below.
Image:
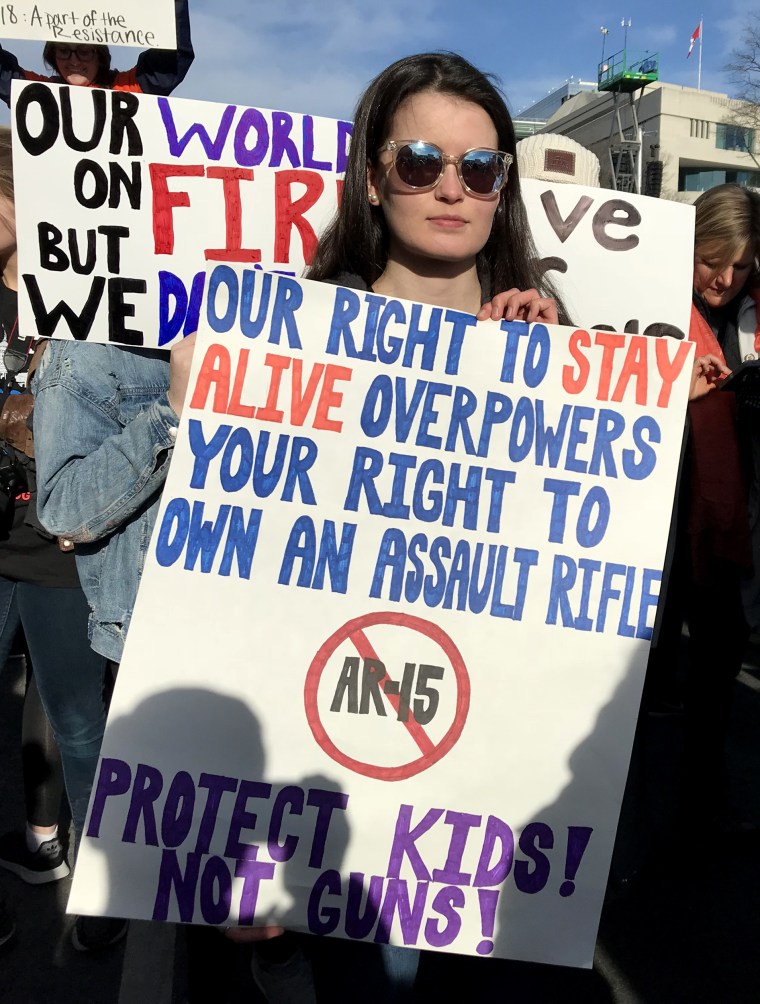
(431, 752)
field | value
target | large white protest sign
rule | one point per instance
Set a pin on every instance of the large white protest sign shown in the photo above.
(122, 200)
(147, 24)
(385, 664)
(133, 195)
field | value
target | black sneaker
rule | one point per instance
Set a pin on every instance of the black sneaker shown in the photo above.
(7, 927)
(46, 864)
(93, 934)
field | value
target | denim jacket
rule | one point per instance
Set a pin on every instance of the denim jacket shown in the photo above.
(104, 432)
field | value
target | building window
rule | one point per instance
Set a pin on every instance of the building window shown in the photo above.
(695, 179)
(732, 137)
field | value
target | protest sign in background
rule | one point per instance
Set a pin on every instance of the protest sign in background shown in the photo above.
(621, 261)
(132, 195)
(146, 24)
(121, 201)
(385, 664)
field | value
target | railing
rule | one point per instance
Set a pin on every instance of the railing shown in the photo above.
(619, 69)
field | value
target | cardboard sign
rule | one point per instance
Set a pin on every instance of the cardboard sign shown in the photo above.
(122, 200)
(384, 669)
(146, 24)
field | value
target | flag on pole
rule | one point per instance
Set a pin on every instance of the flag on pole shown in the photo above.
(694, 36)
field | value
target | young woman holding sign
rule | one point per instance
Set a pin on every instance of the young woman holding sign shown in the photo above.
(431, 211)
(81, 64)
(431, 207)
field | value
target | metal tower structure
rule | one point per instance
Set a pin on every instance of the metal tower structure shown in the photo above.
(622, 77)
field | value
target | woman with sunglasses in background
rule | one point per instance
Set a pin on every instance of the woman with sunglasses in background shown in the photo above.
(157, 71)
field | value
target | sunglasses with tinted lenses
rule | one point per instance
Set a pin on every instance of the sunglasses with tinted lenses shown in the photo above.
(420, 165)
(84, 52)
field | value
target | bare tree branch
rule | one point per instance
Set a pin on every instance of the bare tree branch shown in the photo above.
(744, 73)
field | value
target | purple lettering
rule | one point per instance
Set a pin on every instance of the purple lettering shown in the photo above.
(447, 902)
(290, 796)
(489, 900)
(170, 876)
(308, 147)
(253, 873)
(216, 891)
(282, 144)
(461, 824)
(344, 139)
(251, 156)
(212, 148)
(242, 819)
(217, 784)
(149, 783)
(114, 778)
(323, 919)
(409, 914)
(327, 802)
(534, 879)
(577, 842)
(177, 817)
(359, 923)
(404, 841)
(488, 873)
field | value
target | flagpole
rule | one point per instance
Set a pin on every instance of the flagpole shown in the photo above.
(699, 71)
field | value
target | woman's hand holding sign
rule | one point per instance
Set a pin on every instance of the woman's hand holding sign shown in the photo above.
(520, 305)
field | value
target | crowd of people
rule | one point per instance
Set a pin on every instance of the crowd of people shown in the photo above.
(430, 211)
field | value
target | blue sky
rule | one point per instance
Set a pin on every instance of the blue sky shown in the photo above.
(316, 57)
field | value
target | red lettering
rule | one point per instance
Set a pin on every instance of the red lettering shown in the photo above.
(610, 344)
(236, 407)
(331, 398)
(215, 370)
(669, 368)
(301, 402)
(233, 216)
(278, 365)
(165, 201)
(289, 214)
(216, 375)
(634, 365)
(573, 383)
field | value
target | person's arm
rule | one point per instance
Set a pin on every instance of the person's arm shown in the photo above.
(10, 69)
(93, 474)
(159, 71)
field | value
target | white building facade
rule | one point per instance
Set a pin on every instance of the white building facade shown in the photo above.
(700, 138)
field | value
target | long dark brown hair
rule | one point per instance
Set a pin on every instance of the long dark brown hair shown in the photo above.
(356, 241)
